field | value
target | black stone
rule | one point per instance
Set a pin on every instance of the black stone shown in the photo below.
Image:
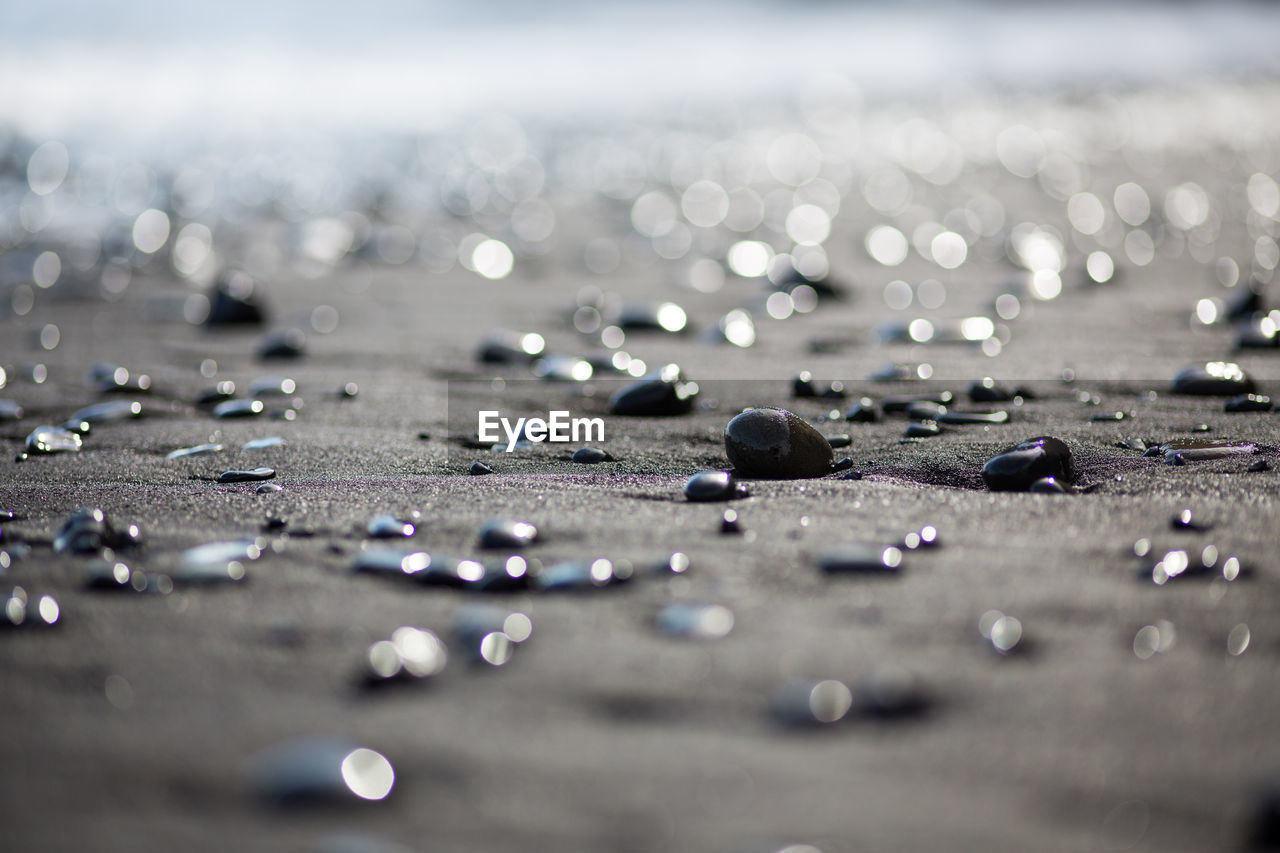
(44, 440)
(11, 410)
(1248, 403)
(923, 429)
(660, 394)
(1258, 332)
(251, 475)
(1015, 469)
(389, 527)
(1214, 379)
(233, 302)
(88, 530)
(479, 468)
(987, 390)
(214, 394)
(282, 344)
(238, 409)
(968, 418)
(863, 412)
(1108, 417)
(103, 413)
(902, 405)
(925, 410)
(842, 464)
(583, 576)
(804, 386)
(775, 444)
(839, 441)
(315, 771)
(729, 522)
(861, 559)
(591, 456)
(708, 486)
(504, 346)
(505, 533)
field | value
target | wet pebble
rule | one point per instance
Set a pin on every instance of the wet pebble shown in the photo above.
(264, 443)
(804, 703)
(903, 405)
(45, 440)
(197, 450)
(662, 393)
(987, 390)
(923, 429)
(729, 522)
(1050, 486)
(489, 635)
(234, 301)
(505, 533)
(1107, 417)
(695, 620)
(238, 409)
(251, 475)
(1186, 520)
(278, 385)
(103, 413)
(591, 456)
(389, 527)
(478, 469)
(775, 444)
(864, 411)
(1182, 450)
(583, 575)
(504, 346)
(410, 654)
(844, 463)
(1018, 467)
(107, 378)
(1248, 403)
(88, 530)
(282, 344)
(969, 418)
(11, 410)
(891, 693)
(706, 486)
(804, 387)
(216, 562)
(268, 489)
(838, 442)
(315, 770)
(1213, 379)
(27, 611)
(861, 559)
(115, 576)
(1259, 331)
(650, 317)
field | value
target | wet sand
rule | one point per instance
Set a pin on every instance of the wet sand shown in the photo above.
(601, 733)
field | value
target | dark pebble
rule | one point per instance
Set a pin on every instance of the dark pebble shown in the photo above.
(729, 522)
(278, 385)
(214, 394)
(479, 468)
(923, 429)
(925, 410)
(320, 770)
(650, 317)
(1015, 469)
(103, 413)
(804, 386)
(234, 302)
(198, 450)
(217, 562)
(505, 533)
(591, 456)
(1185, 520)
(253, 474)
(19, 610)
(88, 530)
(861, 559)
(987, 390)
(1248, 403)
(863, 412)
(902, 405)
(967, 418)
(811, 704)
(282, 344)
(1197, 450)
(775, 444)
(706, 486)
(891, 693)
(45, 440)
(1049, 486)
(1213, 379)
(1107, 417)
(504, 346)
(1260, 465)
(389, 527)
(115, 576)
(583, 576)
(238, 409)
(839, 441)
(844, 463)
(659, 394)
(695, 620)
(1260, 331)
(11, 410)
(411, 654)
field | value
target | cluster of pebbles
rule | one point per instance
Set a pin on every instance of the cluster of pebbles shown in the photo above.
(759, 212)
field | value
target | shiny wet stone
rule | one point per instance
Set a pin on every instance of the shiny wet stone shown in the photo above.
(279, 385)
(88, 530)
(987, 390)
(104, 413)
(478, 469)
(583, 576)
(662, 393)
(489, 635)
(1186, 520)
(234, 301)
(1248, 403)
(729, 522)
(320, 770)
(891, 693)
(214, 394)
(115, 576)
(11, 410)
(1107, 417)
(971, 418)
(268, 489)
(861, 559)
(776, 444)
(902, 405)
(1184, 450)
(282, 344)
(804, 386)
(251, 475)
(706, 486)
(411, 654)
(197, 450)
(811, 704)
(1259, 331)
(504, 346)
(216, 562)
(650, 317)
(841, 441)
(505, 533)
(238, 409)
(864, 411)
(591, 456)
(389, 527)
(695, 620)
(923, 429)
(264, 443)
(1049, 486)
(18, 609)
(925, 410)
(107, 378)
(1015, 469)
(1213, 379)
(45, 440)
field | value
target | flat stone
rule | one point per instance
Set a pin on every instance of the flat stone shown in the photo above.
(583, 576)
(968, 418)
(811, 704)
(389, 527)
(1213, 379)
(11, 410)
(776, 444)
(923, 429)
(695, 620)
(861, 559)
(320, 770)
(197, 450)
(251, 475)
(864, 411)
(88, 530)
(282, 344)
(217, 562)
(238, 409)
(1248, 403)
(479, 469)
(103, 413)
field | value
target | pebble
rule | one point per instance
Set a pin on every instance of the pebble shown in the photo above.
(198, 450)
(838, 442)
(217, 562)
(11, 410)
(490, 635)
(695, 620)
(264, 443)
(923, 429)
(563, 368)
(410, 654)
(863, 412)
(729, 522)
(1049, 486)
(389, 527)
(1015, 469)
(891, 692)
(861, 559)
(479, 468)
(583, 575)
(967, 418)
(775, 444)
(268, 489)
(650, 317)
(282, 344)
(20, 611)
(1185, 520)
(1259, 331)
(1248, 403)
(316, 770)
(662, 393)
(107, 378)
(214, 394)
(1107, 417)
(238, 409)
(115, 576)
(803, 386)
(45, 440)
(88, 530)
(706, 486)
(804, 703)
(902, 405)
(591, 456)
(987, 390)
(505, 533)
(504, 346)
(925, 410)
(281, 385)
(1200, 449)
(253, 474)
(103, 413)
(233, 302)
(1213, 379)
(844, 463)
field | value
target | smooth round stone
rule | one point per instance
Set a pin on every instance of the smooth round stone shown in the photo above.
(214, 394)
(1048, 486)
(504, 346)
(251, 475)
(804, 386)
(89, 530)
(103, 413)
(45, 440)
(238, 409)
(891, 692)
(811, 703)
(987, 390)
(1213, 379)
(1017, 468)
(729, 522)
(563, 368)
(1107, 417)
(591, 456)
(706, 486)
(389, 527)
(264, 443)
(925, 410)
(923, 429)
(863, 412)
(1260, 331)
(1197, 450)
(320, 770)
(505, 533)
(695, 620)
(861, 559)
(478, 469)
(282, 344)
(268, 488)
(777, 445)
(234, 303)
(839, 441)
(1248, 403)
(114, 576)
(660, 394)
(903, 405)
